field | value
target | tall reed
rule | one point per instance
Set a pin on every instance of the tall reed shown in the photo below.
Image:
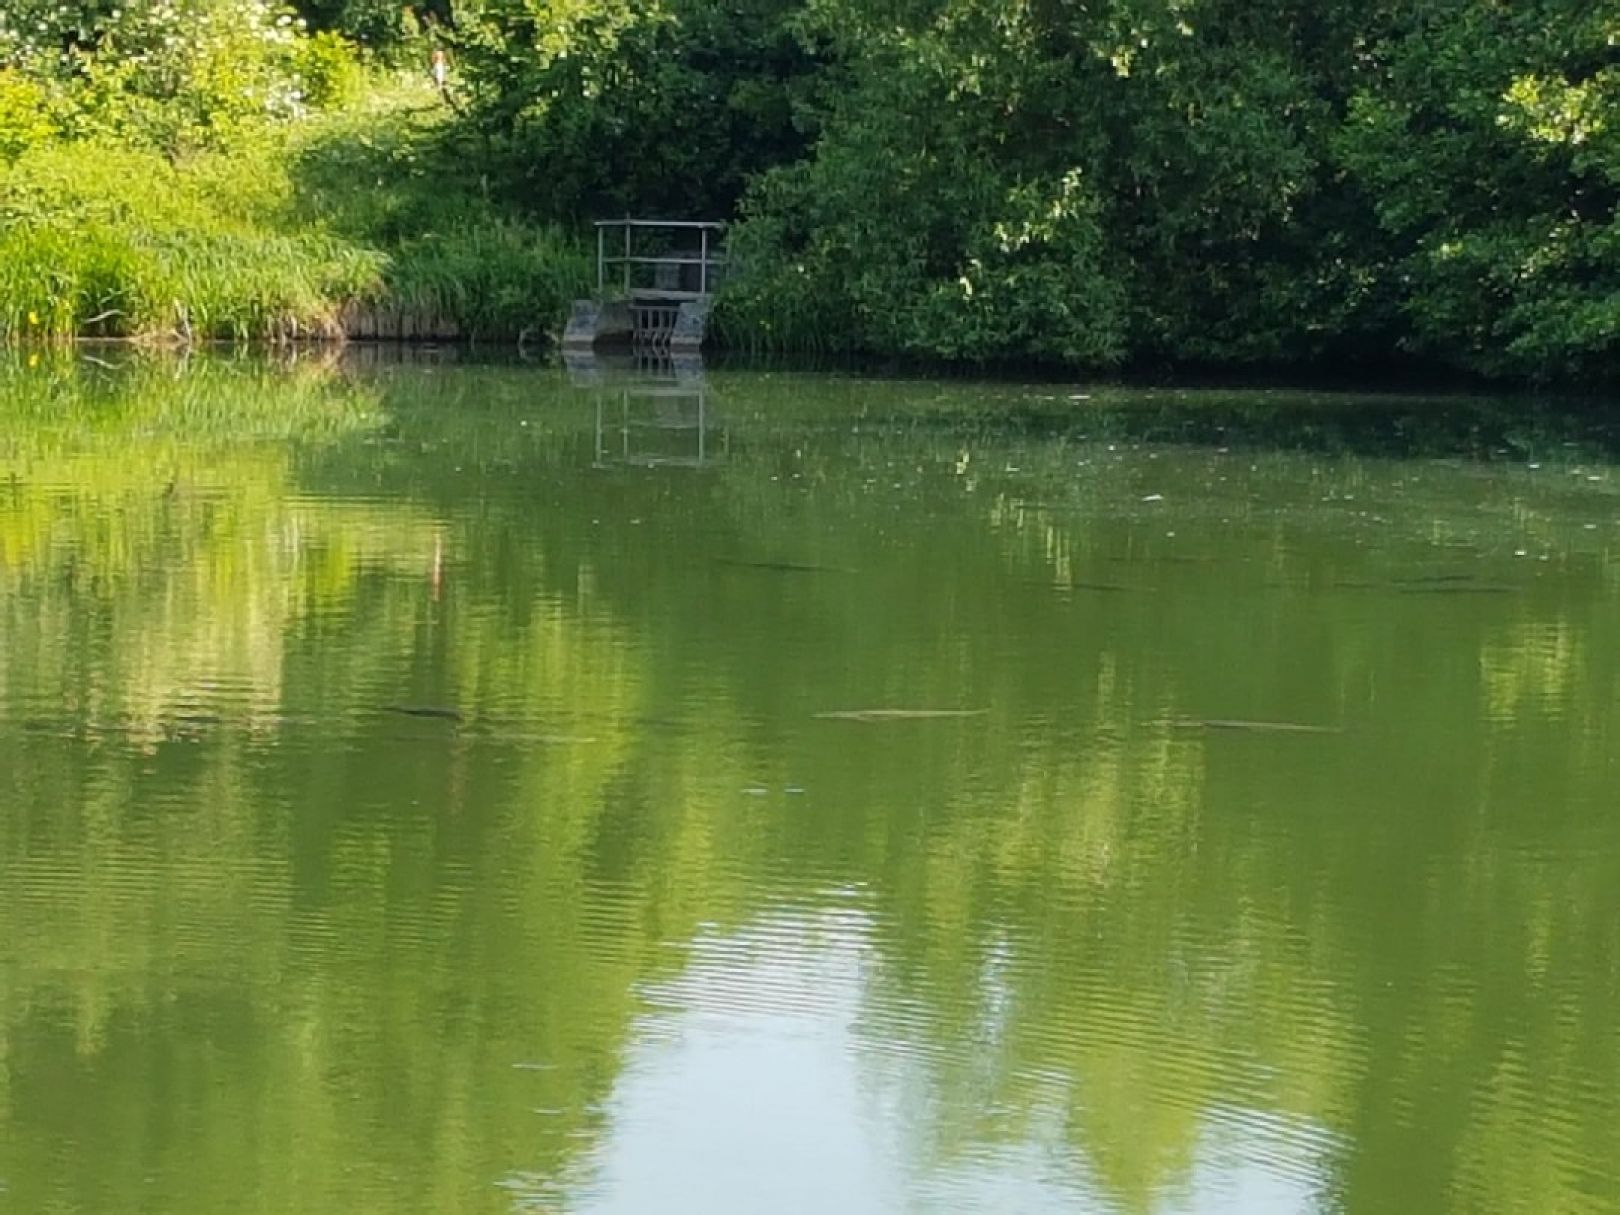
(286, 239)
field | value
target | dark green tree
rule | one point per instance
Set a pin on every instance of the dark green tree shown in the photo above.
(1488, 138)
(668, 107)
(386, 26)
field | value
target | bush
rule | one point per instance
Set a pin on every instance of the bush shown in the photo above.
(105, 240)
(273, 240)
(26, 114)
(660, 107)
(497, 278)
(328, 70)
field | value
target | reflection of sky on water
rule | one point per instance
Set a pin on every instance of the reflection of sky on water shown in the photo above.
(383, 718)
(756, 1084)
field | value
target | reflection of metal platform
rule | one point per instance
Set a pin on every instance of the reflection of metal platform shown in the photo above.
(652, 411)
(590, 369)
(664, 272)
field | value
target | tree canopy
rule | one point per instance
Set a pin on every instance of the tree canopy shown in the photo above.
(1188, 181)
(1159, 182)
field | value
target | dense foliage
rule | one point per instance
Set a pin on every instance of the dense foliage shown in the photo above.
(385, 26)
(1206, 182)
(175, 74)
(1188, 181)
(1219, 182)
(216, 169)
(664, 106)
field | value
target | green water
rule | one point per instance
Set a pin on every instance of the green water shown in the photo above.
(456, 789)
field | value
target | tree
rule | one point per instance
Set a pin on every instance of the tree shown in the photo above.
(668, 107)
(380, 25)
(1488, 137)
(174, 75)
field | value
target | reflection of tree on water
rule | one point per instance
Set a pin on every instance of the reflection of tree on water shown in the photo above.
(418, 962)
(296, 930)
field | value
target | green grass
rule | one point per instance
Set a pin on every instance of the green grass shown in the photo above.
(105, 241)
(276, 241)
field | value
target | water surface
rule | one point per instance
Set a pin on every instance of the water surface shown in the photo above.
(486, 789)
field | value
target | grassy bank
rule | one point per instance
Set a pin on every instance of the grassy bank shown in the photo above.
(291, 232)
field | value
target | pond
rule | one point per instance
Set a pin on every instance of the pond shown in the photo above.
(444, 787)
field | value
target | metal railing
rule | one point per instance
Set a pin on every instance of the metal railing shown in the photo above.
(682, 244)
